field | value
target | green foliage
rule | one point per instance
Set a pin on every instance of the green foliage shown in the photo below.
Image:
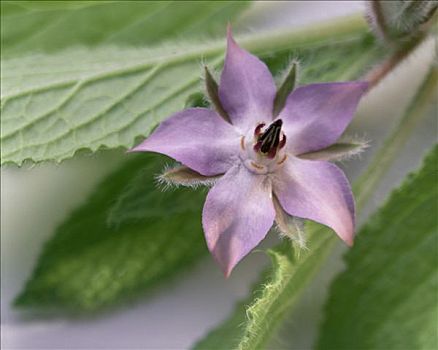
(331, 61)
(57, 102)
(386, 298)
(104, 97)
(126, 212)
(47, 26)
(255, 320)
(128, 236)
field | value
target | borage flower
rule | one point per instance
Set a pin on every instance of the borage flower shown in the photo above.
(266, 152)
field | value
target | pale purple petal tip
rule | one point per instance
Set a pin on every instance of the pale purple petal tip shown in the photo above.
(196, 137)
(247, 89)
(237, 215)
(318, 191)
(316, 115)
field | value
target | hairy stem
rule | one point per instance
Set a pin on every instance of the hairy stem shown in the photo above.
(379, 72)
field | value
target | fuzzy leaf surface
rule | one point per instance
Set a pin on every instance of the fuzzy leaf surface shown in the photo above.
(56, 104)
(47, 26)
(100, 90)
(386, 298)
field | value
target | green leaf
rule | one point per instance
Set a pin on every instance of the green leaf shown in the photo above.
(91, 263)
(47, 26)
(54, 105)
(386, 298)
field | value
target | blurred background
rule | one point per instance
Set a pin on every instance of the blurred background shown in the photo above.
(35, 199)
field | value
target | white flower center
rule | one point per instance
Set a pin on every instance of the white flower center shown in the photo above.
(262, 151)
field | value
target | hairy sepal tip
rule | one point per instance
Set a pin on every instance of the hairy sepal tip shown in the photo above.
(180, 175)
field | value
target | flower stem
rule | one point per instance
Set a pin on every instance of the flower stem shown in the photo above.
(385, 157)
(381, 71)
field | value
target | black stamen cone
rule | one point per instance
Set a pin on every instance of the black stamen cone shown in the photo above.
(270, 139)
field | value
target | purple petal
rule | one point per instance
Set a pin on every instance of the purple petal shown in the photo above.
(198, 138)
(316, 115)
(318, 191)
(247, 89)
(238, 214)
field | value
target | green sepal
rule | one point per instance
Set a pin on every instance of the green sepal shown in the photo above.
(213, 93)
(286, 88)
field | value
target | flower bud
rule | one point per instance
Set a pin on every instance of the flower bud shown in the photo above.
(400, 20)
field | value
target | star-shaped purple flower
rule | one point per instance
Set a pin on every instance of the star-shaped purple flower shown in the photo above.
(265, 165)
